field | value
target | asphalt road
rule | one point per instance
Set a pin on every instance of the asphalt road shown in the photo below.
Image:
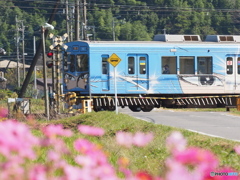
(216, 124)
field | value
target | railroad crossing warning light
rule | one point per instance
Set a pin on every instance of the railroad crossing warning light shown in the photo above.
(50, 54)
(49, 64)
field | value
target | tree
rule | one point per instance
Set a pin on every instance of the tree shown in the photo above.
(126, 32)
(139, 32)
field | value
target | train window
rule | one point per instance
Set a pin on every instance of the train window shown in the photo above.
(186, 65)
(65, 62)
(83, 48)
(229, 65)
(238, 65)
(204, 65)
(82, 62)
(131, 68)
(104, 65)
(72, 63)
(169, 65)
(142, 65)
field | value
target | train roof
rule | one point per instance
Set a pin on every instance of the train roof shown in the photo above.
(175, 39)
(196, 38)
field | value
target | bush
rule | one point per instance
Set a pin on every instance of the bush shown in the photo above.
(4, 94)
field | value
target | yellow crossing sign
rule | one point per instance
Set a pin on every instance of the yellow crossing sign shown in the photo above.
(114, 60)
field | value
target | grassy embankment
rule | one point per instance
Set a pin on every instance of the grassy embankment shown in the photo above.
(151, 157)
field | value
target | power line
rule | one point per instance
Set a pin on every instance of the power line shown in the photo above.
(141, 8)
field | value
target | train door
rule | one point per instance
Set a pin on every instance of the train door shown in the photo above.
(137, 74)
(105, 73)
(232, 79)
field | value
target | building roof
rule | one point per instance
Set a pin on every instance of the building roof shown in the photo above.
(11, 64)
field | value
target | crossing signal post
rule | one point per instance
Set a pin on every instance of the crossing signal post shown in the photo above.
(57, 47)
(51, 65)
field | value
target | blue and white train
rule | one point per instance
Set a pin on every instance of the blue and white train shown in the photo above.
(172, 69)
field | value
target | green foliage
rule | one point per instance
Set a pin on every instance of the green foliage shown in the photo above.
(4, 94)
(129, 19)
(12, 82)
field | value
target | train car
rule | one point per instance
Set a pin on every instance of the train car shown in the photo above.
(171, 69)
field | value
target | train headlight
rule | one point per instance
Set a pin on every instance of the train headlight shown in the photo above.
(66, 81)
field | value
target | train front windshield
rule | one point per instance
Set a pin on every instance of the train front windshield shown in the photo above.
(78, 63)
(76, 72)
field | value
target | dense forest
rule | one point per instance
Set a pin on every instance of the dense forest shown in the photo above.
(116, 19)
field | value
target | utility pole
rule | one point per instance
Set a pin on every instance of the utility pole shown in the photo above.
(77, 20)
(81, 20)
(34, 52)
(85, 20)
(17, 44)
(113, 29)
(71, 21)
(67, 20)
(46, 95)
(23, 49)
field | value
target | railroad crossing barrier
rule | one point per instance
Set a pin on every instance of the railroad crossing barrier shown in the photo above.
(70, 99)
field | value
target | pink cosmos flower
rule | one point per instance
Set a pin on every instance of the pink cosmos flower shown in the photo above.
(196, 156)
(53, 156)
(142, 139)
(3, 112)
(16, 137)
(237, 149)
(38, 172)
(105, 172)
(124, 139)
(202, 162)
(85, 161)
(176, 142)
(179, 171)
(90, 130)
(72, 172)
(128, 139)
(54, 130)
(84, 146)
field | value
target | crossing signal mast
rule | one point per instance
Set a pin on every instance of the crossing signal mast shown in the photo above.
(56, 51)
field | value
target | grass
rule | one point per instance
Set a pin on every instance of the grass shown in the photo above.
(151, 157)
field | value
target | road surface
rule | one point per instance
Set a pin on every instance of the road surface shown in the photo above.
(216, 124)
